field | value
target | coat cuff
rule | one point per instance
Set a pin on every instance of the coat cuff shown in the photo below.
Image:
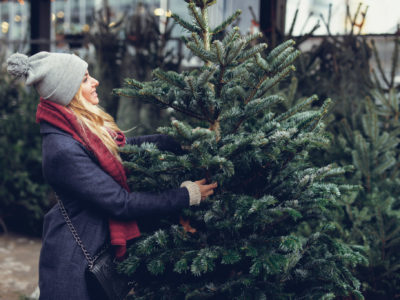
(194, 192)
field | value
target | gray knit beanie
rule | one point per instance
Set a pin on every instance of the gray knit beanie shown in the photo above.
(56, 76)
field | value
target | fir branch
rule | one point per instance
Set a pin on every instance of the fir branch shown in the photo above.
(278, 60)
(289, 59)
(255, 106)
(233, 93)
(171, 77)
(205, 76)
(261, 104)
(196, 39)
(255, 89)
(234, 74)
(202, 3)
(192, 86)
(277, 50)
(205, 55)
(379, 64)
(262, 63)
(220, 50)
(175, 107)
(381, 97)
(127, 92)
(394, 101)
(135, 167)
(251, 37)
(198, 18)
(251, 52)
(206, 33)
(184, 39)
(322, 113)
(385, 165)
(182, 129)
(235, 51)
(305, 120)
(370, 121)
(265, 86)
(296, 108)
(393, 233)
(185, 24)
(232, 36)
(227, 22)
(130, 82)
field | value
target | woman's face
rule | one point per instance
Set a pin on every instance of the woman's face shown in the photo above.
(89, 85)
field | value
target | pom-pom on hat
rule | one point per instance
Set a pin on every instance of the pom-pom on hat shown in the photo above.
(56, 76)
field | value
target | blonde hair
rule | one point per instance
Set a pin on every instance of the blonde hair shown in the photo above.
(96, 120)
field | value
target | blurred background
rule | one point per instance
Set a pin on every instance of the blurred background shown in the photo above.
(350, 54)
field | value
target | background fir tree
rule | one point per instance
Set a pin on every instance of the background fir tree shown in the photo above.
(371, 216)
(338, 67)
(110, 51)
(244, 242)
(24, 196)
(147, 49)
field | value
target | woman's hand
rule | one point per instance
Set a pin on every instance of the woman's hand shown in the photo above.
(205, 189)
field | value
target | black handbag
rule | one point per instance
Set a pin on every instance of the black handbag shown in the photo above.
(102, 278)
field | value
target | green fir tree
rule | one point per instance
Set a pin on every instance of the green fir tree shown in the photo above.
(338, 67)
(371, 216)
(267, 233)
(24, 196)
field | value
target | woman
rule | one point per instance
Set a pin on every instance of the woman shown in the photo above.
(82, 164)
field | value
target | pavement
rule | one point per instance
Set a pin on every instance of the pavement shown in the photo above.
(19, 260)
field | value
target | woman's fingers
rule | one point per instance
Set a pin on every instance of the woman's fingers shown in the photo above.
(210, 192)
(210, 187)
(213, 185)
(206, 194)
(201, 181)
(206, 189)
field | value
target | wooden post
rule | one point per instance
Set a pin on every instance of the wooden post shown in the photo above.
(40, 25)
(272, 20)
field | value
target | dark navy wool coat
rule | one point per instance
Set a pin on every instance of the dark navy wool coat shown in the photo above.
(90, 197)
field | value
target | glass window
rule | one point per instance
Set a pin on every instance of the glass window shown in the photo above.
(310, 11)
(14, 24)
(9, 22)
(75, 17)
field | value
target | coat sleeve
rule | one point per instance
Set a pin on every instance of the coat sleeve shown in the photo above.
(164, 142)
(70, 170)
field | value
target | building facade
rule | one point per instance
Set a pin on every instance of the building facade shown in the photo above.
(74, 17)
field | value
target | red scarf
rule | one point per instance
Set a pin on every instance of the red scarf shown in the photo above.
(61, 117)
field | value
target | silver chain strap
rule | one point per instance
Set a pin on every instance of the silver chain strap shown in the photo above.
(75, 233)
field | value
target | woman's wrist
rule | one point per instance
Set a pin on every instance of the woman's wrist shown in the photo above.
(194, 192)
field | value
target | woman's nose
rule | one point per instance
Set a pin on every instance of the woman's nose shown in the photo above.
(95, 82)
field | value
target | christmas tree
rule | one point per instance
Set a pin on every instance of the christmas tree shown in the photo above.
(268, 231)
(371, 217)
